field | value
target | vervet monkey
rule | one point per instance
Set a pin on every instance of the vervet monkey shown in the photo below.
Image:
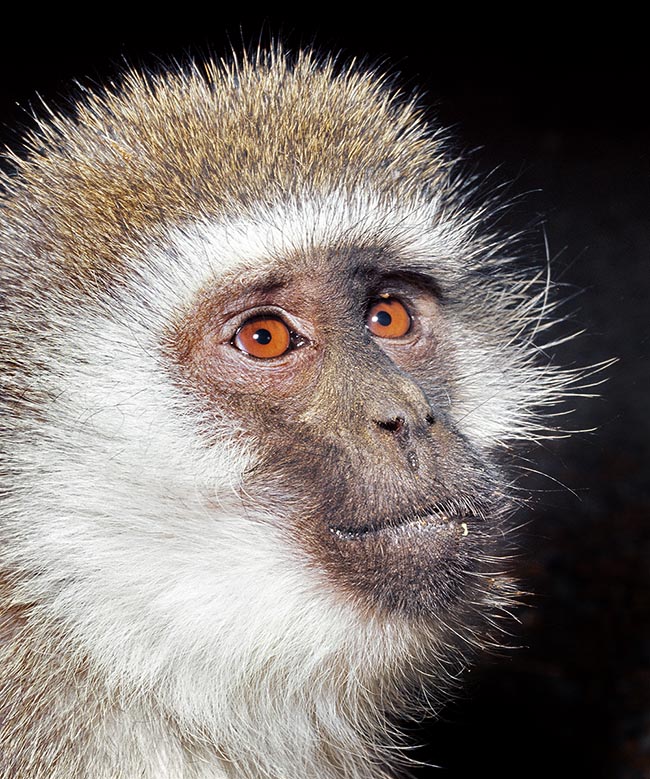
(264, 359)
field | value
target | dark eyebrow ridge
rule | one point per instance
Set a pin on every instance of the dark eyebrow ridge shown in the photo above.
(377, 277)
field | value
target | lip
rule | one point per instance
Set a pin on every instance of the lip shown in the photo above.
(434, 519)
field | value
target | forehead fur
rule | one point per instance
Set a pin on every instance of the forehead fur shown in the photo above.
(209, 142)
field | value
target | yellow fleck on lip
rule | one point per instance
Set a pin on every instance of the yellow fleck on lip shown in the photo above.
(465, 529)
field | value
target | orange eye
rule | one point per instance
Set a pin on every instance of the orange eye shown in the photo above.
(388, 318)
(263, 337)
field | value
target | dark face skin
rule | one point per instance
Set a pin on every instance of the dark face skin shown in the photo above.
(342, 377)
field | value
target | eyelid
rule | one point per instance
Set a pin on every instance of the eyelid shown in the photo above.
(236, 321)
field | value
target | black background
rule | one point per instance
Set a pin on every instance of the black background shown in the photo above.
(557, 110)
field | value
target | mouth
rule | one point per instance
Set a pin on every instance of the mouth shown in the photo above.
(415, 561)
(441, 517)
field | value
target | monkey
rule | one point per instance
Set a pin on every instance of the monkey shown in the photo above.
(266, 362)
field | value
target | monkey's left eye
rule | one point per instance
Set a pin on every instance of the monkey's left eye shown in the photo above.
(388, 318)
(263, 337)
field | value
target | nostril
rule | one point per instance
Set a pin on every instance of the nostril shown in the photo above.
(394, 425)
(430, 419)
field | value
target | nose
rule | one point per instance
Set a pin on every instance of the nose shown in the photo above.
(400, 427)
(393, 425)
(401, 423)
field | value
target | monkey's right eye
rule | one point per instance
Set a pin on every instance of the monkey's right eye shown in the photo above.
(263, 337)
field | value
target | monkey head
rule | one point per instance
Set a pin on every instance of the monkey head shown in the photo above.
(263, 356)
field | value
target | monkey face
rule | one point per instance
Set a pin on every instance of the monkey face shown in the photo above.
(339, 367)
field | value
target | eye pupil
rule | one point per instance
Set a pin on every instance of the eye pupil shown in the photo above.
(382, 318)
(262, 336)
